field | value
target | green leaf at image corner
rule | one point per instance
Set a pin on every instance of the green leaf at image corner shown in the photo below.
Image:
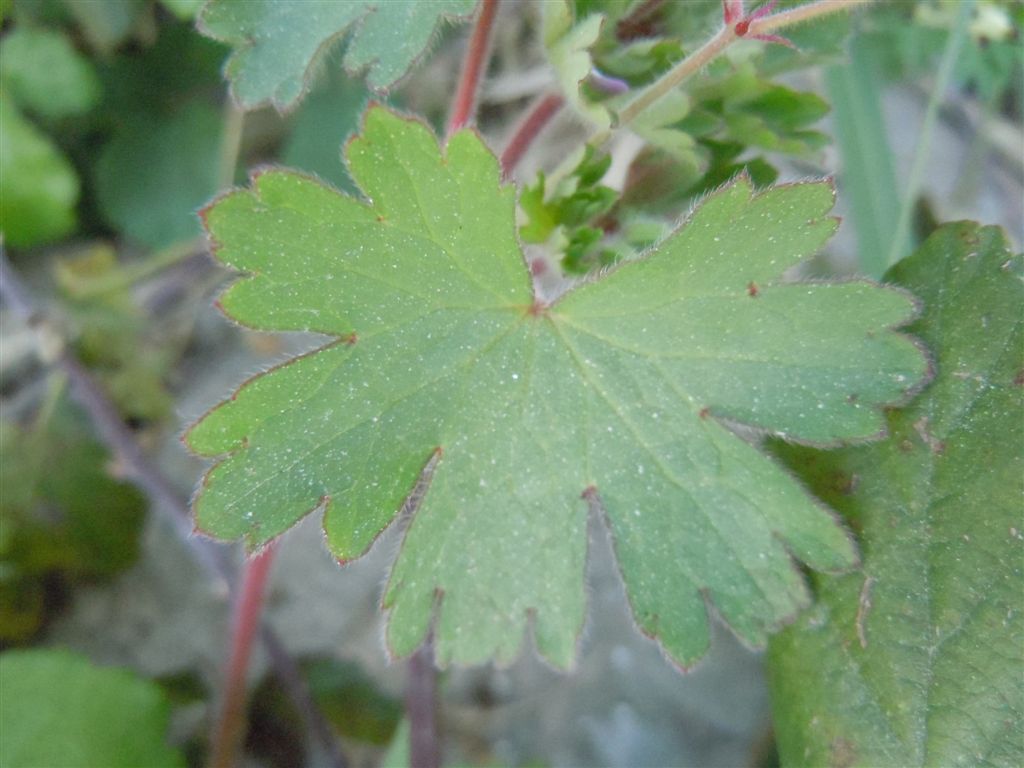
(38, 185)
(622, 390)
(917, 659)
(58, 709)
(278, 45)
(157, 171)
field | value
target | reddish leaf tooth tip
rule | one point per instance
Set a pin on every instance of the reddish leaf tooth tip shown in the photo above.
(752, 290)
(705, 412)
(589, 493)
(351, 339)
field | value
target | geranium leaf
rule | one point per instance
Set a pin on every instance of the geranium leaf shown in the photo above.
(277, 45)
(620, 392)
(916, 660)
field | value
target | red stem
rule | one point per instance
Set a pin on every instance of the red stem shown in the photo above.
(473, 66)
(528, 130)
(230, 728)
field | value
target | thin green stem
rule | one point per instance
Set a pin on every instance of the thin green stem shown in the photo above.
(230, 144)
(678, 74)
(922, 155)
(787, 18)
(713, 47)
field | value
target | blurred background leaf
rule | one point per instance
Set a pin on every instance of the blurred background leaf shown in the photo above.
(156, 173)
(38, 186)
(60, 710)
(45, 74)
(64, 517)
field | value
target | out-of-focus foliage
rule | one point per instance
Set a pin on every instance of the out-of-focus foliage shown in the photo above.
(907, 39)
(352, 701)
(322, 125)
(111, 334)
(38, 186)
(62, 515)
(58, 709)
(349, 698)
(45, 74)
(157, 170)
(728, 120)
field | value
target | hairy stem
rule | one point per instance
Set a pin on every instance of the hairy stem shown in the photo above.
(713, 47)
(788, 18)
(677, 75)
(528, 130)
(473, 66)
(229, 731)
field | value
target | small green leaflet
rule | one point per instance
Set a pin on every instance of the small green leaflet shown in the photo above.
(567, 45)
(621, 393)
(278, 44)
(917, 660)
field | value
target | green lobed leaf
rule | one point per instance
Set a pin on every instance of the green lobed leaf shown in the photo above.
(623, 389)
(57, 709)
(45, 74)
(917, 660)
(38, 186)
(277, 45)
